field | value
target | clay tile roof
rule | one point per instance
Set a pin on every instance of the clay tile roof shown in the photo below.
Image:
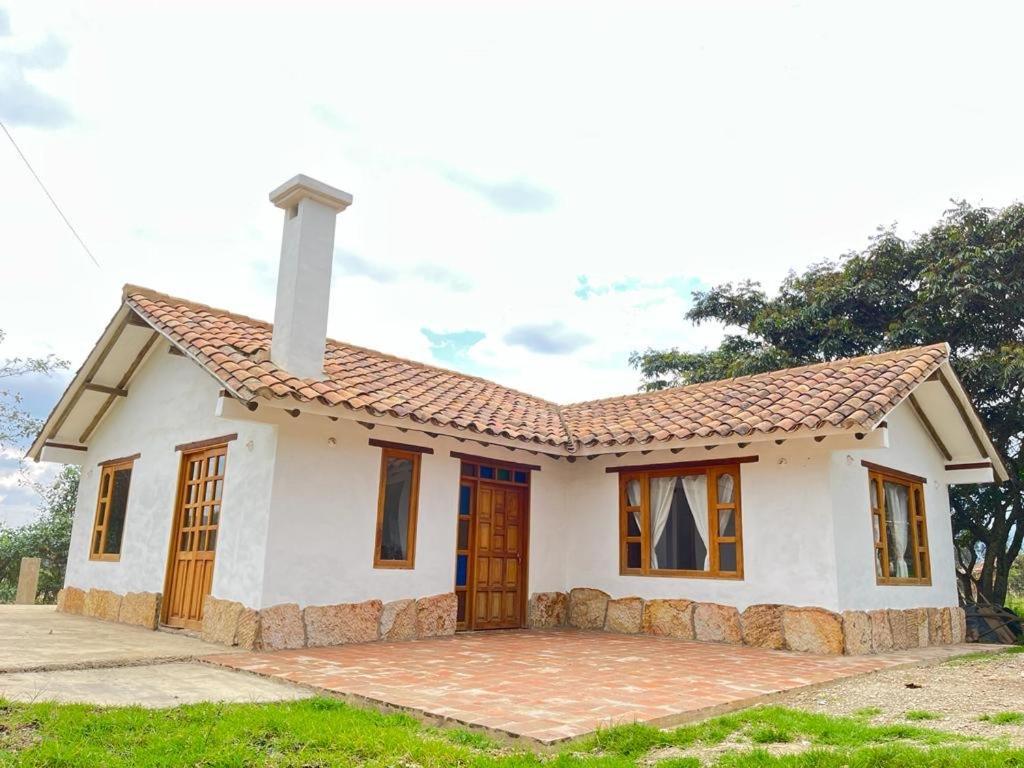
(852, 394)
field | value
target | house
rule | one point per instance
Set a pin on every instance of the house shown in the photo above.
(315, 491)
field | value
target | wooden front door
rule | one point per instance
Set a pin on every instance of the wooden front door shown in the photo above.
(194, 536)
(498, 557)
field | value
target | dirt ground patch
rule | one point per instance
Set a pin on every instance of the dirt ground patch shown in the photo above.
(959, 692)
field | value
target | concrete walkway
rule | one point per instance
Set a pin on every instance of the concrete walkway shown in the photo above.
(50, 656)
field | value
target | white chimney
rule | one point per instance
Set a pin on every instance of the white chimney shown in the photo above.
(304, 276)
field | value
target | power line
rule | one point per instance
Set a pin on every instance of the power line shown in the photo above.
(47, 192)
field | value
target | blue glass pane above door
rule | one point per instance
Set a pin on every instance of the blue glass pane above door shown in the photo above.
(461, 563)
(487, 472)
(520, 477)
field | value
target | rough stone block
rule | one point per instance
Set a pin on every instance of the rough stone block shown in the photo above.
(946, 625)
(669, 618)
(587, 608)
(813, 630)
(281, 627)
(881, 631)
(247, 632)
(935, 626)
(220, 620)
(343, 623)
(102, 604)
(398, 620)
(436, 615)
(548, 609)
(904, 634)
(624, 615)
(917, 618)
(714, 623)
(71, 600)
(959, 621)
(141, 609)
(762, 626)
(856, 632)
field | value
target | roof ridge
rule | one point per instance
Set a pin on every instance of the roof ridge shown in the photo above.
(748, 376)
(151, 293)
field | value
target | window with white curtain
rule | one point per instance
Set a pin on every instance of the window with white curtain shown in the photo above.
(898, 526)
(681, 521)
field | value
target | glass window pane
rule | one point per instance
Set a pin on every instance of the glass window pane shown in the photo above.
(726, 522)
(633, 493)
(727, 557)
(632, 523)
(875, 501)
(460, 611)
(461, 565)
(897, 525)
(220, 465)
(465, 497)
(487, 473)
(876, 526)
(504, 474)
(211, 543)
(469, 470)
(679, 523)
(394, 542)
(633, 554)
(116, 512)
(726, 488)
(105, 484)
(463, 542)
(521, 477)
(96, 542)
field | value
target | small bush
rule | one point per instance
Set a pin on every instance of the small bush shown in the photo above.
(1004, 718)
(922, 714)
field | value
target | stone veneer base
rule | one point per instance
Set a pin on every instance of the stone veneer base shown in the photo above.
(781, 627)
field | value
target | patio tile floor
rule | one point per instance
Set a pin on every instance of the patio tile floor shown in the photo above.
(554, 685)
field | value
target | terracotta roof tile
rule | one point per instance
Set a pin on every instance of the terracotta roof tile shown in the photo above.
(851, 394)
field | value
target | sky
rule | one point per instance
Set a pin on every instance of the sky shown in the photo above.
(539, 187)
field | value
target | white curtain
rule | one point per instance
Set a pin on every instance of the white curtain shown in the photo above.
(899, 522)
(633, 497)
(696, 489)
(725, 491)
(662, 489)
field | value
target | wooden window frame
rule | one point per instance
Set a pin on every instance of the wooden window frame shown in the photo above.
(918, 523)
(712, 472)
(108, 469)
(414, 495)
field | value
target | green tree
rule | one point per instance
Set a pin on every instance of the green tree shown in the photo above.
(47, 537)
(960, 282)
(16, 423)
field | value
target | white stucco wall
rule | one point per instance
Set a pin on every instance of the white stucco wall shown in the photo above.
(788, 554)
(324, 516)
(171, 401)
(910, 450)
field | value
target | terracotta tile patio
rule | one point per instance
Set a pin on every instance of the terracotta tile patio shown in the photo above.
(558, 684)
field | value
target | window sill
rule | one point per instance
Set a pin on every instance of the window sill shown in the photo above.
(105, 558)
(903, 582)
(396, 565)
(684, 575)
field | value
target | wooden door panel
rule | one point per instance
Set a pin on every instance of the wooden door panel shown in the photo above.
(498, 554)
(194, 536)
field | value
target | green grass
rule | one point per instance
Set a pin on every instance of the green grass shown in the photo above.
(326, 732)
(1004, 718)
(970, 658)
(867, 712)
(922, 714)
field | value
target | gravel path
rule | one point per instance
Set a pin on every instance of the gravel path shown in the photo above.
(959, 691)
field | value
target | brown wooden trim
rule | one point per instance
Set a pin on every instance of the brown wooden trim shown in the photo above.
(64, 446)
(894, 472)
(399, 446)
(108, 471)
(409, 562)
(978, 442)
(104, 389)
(684, 464)
(496, 462)
(206, 443)
(92, 372)
(122, 384)
(122, 460)
(916, 515)
(970, 465)
(929, 428)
